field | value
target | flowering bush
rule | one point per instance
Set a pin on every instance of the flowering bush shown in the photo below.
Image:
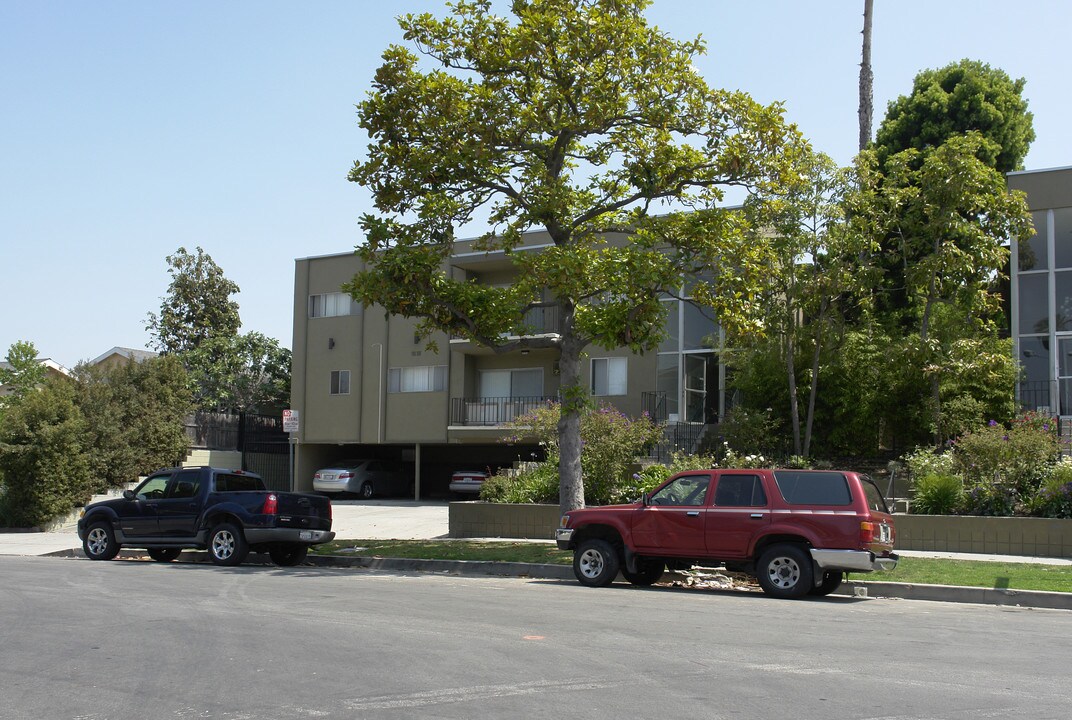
(610, 444)
(995, 470)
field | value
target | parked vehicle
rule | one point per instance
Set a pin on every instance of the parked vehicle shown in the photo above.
(227, 512)
(366, 478)
(796, 531)
(467, 483)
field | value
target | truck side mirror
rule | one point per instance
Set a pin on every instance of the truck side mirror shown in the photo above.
(129, 494)
(645, 499)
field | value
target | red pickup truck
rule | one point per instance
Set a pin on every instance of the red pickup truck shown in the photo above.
(796, 531)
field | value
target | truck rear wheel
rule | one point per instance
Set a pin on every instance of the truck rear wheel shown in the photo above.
(784, 571)
(227, 545)
(831, 581)
(595, 563)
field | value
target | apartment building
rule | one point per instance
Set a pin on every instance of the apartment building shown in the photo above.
(366, 386)
(1041, 292)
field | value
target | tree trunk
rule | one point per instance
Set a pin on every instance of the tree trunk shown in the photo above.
(570, 482)
(794, 406)
(813, 391)
(866, 79)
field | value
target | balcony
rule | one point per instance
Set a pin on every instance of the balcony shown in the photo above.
(492, 411)
(537, 322)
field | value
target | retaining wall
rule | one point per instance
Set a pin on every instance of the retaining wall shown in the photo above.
(1039, 537)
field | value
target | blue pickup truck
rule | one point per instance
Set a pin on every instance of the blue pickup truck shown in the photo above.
(226, 512)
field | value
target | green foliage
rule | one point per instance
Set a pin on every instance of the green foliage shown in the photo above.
(752, 431)
(959, 98)
(44, 469)
(21, 375)
(1002, 467)
(579, 118)
(927, 461)
(610, 444)
(240, 373)
(134, 416)
(536, 483)
(197, 305)
(1054, 498)
(937, 494)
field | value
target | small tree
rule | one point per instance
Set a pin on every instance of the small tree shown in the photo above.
(197, 305)
(578, 117)
(23, 375)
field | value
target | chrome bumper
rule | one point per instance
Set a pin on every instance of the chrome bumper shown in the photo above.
(852, 560)
(563, 536)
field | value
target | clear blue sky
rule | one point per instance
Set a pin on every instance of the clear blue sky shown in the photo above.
(129, 129)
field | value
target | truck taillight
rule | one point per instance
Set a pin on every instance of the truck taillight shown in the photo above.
(867, 532)
(271, 505)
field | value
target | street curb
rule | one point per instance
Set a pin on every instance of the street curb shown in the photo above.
(851, 588)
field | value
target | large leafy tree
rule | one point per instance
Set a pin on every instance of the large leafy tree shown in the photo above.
(578, 117)
(240, 373)
(950, 216)
(197, 306)
(959, 98)
(134, 416)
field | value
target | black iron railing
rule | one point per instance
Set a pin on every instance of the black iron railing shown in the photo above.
(1035, 394)
(653, 403)
(493, 410)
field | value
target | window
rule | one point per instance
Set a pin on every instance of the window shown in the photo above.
(340, 382)
(237, 483)
(813, 488)
(740, 491)
(331, 305)
(427, 378)
(609, 376)
(526, 383)
(153, 488)
(687, 490)
(185, 485)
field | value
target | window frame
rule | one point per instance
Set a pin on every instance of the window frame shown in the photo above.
(623, 382)
(335, 382)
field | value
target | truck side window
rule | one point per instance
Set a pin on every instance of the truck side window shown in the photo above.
(153, 488)
(687, 490)
(740, 491)
(184, 485)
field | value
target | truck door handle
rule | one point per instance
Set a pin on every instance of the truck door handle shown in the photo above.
(693, 513)
(758, 516)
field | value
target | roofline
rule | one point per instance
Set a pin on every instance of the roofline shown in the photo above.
(477, 237)
(1040, 170)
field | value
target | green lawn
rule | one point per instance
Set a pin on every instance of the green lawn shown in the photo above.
(922, 571)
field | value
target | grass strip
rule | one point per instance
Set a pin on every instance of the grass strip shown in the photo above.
(914, 570)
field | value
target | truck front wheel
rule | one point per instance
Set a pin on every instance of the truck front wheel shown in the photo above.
(784, 571)
(595, 563)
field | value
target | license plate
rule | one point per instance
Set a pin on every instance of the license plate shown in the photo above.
(305, 535)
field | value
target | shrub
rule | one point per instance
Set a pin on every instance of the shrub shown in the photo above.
(1007, 461)
(43, 462)
(536, 483)
(937, 494)
(1054, 498)
(751, 432)
(925, 461)
(610, 444)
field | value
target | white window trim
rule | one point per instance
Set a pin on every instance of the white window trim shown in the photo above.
(611, 362)
(340, 373)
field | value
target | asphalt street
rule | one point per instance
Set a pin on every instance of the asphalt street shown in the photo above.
(132, 639)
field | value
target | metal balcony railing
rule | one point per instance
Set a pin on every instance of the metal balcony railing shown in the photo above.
(1034, 395)
(491, 411)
